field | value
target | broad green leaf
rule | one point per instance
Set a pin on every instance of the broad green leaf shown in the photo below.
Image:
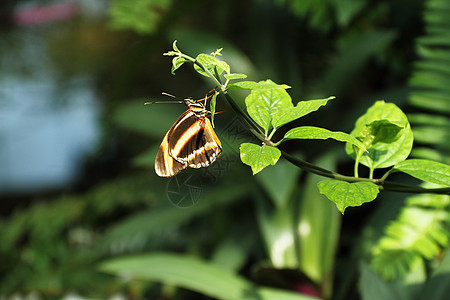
(373, 287)
(176, 63)
(193, 274)
(311, 132)
(262, 104)
(209, 62)
(346, 194)
(262, 85)
(234, 76)
(381, 154)
(289, 114)
(425, 170)
(318, 229)
(277, 229)
(259, 157)
(279, 182)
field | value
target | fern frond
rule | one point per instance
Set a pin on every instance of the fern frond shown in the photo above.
(422, 228)
(420, 232)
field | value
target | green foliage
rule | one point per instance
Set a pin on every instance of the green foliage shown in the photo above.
(56, 239)
(311, 132)
(425, 170)
(259, 157)
(288, 114)
(141, 16)
(346, 194)
(194, 274)
(386, 134)
(420, 231)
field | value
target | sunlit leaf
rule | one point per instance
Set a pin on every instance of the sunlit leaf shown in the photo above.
(262, 104)
(259, 157)
(289, 114)
(210, 62)
(425, 170)
(311, 132)
(382, 154)
(346, 194)
(176, 63)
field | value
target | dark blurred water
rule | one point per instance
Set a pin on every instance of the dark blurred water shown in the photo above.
(48, 122)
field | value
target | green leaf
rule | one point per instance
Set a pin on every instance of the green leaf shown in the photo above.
(373, 287)
(346, 194)
(212, 107)
(318, 229)
(262, 104)
(175, 47)
(276, 226)
(311, 132)
(234, 76)
(177, 62)
(289, 114)
(194, 274)
(425, 170)
(380, 131)
(381, 154)
(262, 85)
(259, 157)
(209, 62)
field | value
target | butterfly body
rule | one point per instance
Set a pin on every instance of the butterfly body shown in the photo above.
(190, 142)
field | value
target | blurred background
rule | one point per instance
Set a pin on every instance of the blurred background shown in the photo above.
(77, 145)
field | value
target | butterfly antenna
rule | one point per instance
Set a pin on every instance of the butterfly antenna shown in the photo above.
(166, 94)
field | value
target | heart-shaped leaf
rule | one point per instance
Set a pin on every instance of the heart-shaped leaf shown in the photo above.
(259, 157)
(384, 148)
(346, 194)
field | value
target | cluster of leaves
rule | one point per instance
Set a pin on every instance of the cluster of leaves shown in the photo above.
(381, 138)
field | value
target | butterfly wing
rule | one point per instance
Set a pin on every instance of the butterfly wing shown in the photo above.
(165, 164)
(206, 147)
(194, 142)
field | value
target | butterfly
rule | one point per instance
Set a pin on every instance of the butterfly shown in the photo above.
(190, 141)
